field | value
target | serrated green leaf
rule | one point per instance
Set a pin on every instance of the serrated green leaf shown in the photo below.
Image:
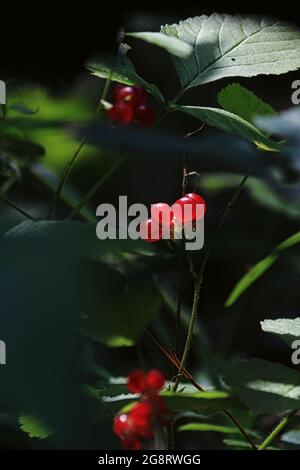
(122, 71)
(286, 328)
(240, 101)
(34, 427)
(265, 387)
(260, 268)
(229, 122)
(170, 43)
(232, 46)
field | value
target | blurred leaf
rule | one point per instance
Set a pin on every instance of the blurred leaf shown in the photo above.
(238, 444)
(229, 122)
(291, 437)
(170, 43)
(22, 109)
(286, 328)
(240, 101)
(260, 268)
(34, 427)
(208, 427)
(231, 46)
(121, 71)
(265, 387)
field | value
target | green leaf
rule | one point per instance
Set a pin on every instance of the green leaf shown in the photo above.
(286, 328)
(172, 44)
(229, 122)
(208, 427)
(265, 387)
(232, 46)
(34, 427)
(122, 71)
(237, 443)
(238, 100)
(260, 268)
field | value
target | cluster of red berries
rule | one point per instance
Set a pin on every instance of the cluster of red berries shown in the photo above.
(147, 415)
(130, 105)
(162, 215)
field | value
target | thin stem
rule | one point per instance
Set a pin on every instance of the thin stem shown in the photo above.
(95, 188)
(179, 274)
(277, 430)
(198, 281)
(18, 209)
(240, 427)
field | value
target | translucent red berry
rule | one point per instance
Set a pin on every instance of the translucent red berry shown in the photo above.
(121, 425)
(137, 381)
(141, 419)
(131, 443)
(150, 231)
(120, 114)
(162, 214)
(197, 198)
(132, 95)
(155, 380)
(144, 115)
(185, 209)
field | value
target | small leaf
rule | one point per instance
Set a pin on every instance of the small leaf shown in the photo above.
(208, 427)
(238, 100)
(122, 71)
(172, 44)
(34, 427)
(291, 437)
(229, 122)
(286, 328)
(265, 387)
(260, 268)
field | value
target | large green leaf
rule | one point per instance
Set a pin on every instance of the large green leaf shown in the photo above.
(239, 100)
(34, 427)
(229, 122)
(172, 44)
(232, 46)
(265, 387)
(121, 71)
(286, 328)
(260, 268)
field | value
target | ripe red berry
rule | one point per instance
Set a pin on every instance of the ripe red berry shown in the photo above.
(131, 443)
(141, 419)
(162, 214)
(185, 208)
(155, 380)
(144, 115)
(150, 231)
(137, 381)
(197, 198)
(132, 95)
(121, 425)
(120, 114)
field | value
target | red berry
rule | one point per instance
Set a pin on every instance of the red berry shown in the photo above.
(137, 381)
(141, 418)
(197, 198)
(145, 116)
(162, 214)
(150, 231)
(121, 425)
(131, 443)
(120, 114)
(132, 95)
(185, 209)
(155, 380)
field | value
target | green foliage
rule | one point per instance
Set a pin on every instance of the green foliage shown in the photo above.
(260, 268)
(286, 328)
(264, 387)
(34, 427)
(172, 44)
(229, 122)
(121, 71)
(237, 99)
(208, 427)
(232, 46)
